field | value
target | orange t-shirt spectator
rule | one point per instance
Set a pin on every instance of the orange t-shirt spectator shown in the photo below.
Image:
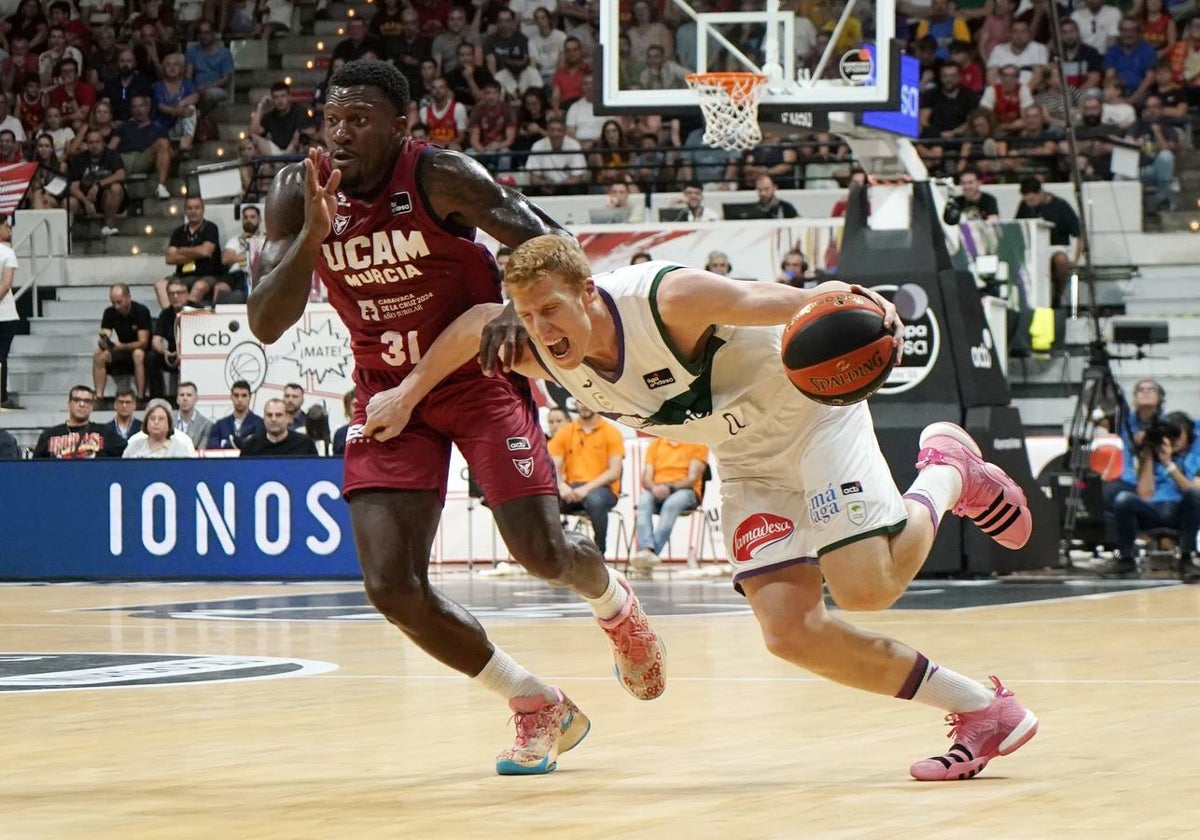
(588, 454)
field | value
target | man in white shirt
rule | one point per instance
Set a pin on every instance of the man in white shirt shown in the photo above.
(56, 51)
(9, 319)
(238, 255)
(546, 45)
(1027, 55)
(582, 122)
(561, 167)
(1099, 24)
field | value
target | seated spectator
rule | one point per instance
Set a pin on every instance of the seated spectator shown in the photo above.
(1082, 63)
(56, 50)
(10, 149)
(493, 130)
(700, 162)
(469, 78)
(1036, 203)
(358, 42)
(1034, 148)
(97, 177)
(447, 120)
(645, 30)
(1170, 93)
(276, 440)
(72, 96)
(41, 195)
(1093, 139)
(62, 135)
(546, 46)
(629, 207)
(190, 421)
(1167, 494)
(101, 120)
(175, 101)
(1158, 27)
(718, 263)
(974, 204)
(610, 158)
(159, 438)
(101, 60)
(293, 401)
(588, 455)
(582, 122)
(556, 164)
(672, 478)
(78, 438)
(653, 167)
(21, 63)
(1159, 142)
(194, 250)
(506, 54)
(1007, 98)
(240, 253)
(29, 22)
(143, 145)
(944, 26)
(1099, 24)
(124, 425)
(1185, 61)
(276, 123)
(983, 149)
(1053, 101)
(125, 86)
(770, 205)
(661, 74)
(447, 44)
(1024, 53)
(1131, 61)
(971, 75)
(31, 106)
(150, 50)
(316, 426)
(567, 81)
(210, 68)
(1117, 111)
(531, 125)
(231, 431)
(164, 361)
(770, 158)
(349, 406)
(692, 199)
(124, 339)
(945, 109)
(410, 48)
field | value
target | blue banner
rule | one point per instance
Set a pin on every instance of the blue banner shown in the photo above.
(905, 120)
(220, 519)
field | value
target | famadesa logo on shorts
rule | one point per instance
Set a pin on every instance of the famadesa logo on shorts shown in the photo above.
(758, 531)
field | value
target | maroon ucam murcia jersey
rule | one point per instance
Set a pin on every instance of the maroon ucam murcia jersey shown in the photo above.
(398, 276)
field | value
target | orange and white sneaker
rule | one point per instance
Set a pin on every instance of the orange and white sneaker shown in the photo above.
(999, 729)
(638, 652)
(545, 731)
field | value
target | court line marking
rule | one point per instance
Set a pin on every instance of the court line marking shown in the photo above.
(560, 679)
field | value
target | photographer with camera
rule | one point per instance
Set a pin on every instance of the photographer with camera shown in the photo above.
(1132, 423)
(1167, 494)
(970, 203)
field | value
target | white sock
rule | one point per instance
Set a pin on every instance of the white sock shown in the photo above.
(508, 679)
(940, 485)
(614, 599)
(951, 691)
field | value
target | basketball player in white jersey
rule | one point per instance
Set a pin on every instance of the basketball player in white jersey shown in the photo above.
(806, 495)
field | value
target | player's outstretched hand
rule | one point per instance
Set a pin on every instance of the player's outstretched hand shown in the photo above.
(388, 413)
(320, 200)
(891, 319)
(503, 342)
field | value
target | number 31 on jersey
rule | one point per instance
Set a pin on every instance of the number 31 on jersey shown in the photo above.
(402, 348)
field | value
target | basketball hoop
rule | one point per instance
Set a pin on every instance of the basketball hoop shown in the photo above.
(730, 105)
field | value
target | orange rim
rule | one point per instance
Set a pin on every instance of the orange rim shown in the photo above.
(739, 86)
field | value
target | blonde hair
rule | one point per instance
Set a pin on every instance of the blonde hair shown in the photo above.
(551, 253)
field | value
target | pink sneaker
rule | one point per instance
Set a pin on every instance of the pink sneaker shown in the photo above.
(638, 653)
(1000, 729)
(544, 732)
(990, 499)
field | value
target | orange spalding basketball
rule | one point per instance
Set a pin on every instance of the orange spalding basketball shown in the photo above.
(836, 349)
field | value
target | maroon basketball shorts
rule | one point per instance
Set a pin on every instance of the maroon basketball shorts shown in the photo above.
(492, 421)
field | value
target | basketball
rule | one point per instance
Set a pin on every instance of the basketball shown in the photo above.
(836, 350)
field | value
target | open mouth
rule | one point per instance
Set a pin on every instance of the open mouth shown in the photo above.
(559, 348)
(342, 157)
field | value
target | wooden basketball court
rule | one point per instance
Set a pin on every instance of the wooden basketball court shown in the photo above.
(390, 744)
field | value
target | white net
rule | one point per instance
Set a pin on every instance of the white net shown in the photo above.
(730, 105)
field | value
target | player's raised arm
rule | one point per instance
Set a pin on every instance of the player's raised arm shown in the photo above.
(299, 215)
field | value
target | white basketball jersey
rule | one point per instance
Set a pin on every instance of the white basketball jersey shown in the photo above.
(735, 397)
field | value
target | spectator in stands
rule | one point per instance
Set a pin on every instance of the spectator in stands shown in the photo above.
(10, 450)
(556, 418)
(10, 150)
(358, 43)
(1022, 52)
(102, 59)
(646, 31)
(1185, 61)
(316, 426)
(628, 206)
(1093, 139)
(210, 68)
(567, 80)
(8, 122)
(194, 250)
(121, 90)
(1099, 24)
(588, 454)
(164, 360)
(660, 73)
(1132, 424)
(1158, 27)
(700, 162)
(1131, 60)
(1034, 148)
(1159, 141)
(190, 421)
(293, 400)
(97, 177)
(240, 253)
(31, 106)
(1167, 494)
(29, 23)
(349, 404)
(771, 158)
(556, 164)
(692, 199)
(1117, 110)
(469, 78)
(448, 43)
(943, 26)
(1082, 63)
(944, 110)
(78, 438)
(1036, 203)
(421, 94)
(410, 48)
(149, 50)
(973, 203)
(62, 135)
(718, 263)
(506, 54)
(546, 46)
(143, 145)
(493, 130)
(276, 123)
(233, 429)
(1169, 92)
(56, 50)
(101, 120)
(582, 122)
(159, 438)
(1052, 99)
(175, 104)
(386, 21)
(10, 319)
(276, 440)
(610, 158)
(970, 68)
(124, 339)
(1007, 98)
(983, 148)
(73, 97)
(770, 205)
(20, 64)
(531, 124)
(446, 119)
(672, 481)
(124, 425)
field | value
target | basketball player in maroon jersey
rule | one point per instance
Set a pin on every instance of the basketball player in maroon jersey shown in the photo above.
(388, 223)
